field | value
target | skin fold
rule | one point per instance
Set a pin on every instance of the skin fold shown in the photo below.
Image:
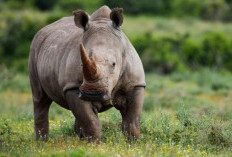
(87, 65)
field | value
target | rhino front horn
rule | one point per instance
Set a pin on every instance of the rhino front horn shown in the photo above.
(89, 66)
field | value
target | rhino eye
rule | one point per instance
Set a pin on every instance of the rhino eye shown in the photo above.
(113, 64)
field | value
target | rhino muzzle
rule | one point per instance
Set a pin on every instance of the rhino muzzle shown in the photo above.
(93, 92)
(94, 96)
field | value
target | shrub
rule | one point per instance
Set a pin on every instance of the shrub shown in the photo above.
(163, 58)
(216, 50)
(213, 9)
(45, 4)
(16, 37)
(56, 15)
(19, 4)
(206, 9)
(69, 5)
(216, 137)
(159, 54)
(191, 53)
(148, 103)
(189, 7)
(6, 77)
(136, 7)
(5, 128)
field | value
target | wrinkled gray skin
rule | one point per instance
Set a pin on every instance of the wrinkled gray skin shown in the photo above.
(56, 72)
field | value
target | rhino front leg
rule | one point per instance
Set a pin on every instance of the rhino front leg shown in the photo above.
(131, 113)
(87, 124)
(77, 129)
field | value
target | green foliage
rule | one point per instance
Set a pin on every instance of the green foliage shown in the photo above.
(56, 15)
(45, 4)
(16, 34)
(216, 137)
(157, 7)
(191, 53)
(69, 5)
(190, 7)
(10, 79)
(159, 52)
(16, 5)
(213, 51)
(6, 77)
(167, 54)
(214, 9)
(5, 128)
(206, 9)
(217, 49)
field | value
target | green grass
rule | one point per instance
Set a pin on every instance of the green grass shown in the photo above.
(184, 113)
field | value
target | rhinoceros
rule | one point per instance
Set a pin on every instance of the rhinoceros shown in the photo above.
(87, 65)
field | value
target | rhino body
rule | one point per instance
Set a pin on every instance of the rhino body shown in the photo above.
(83, 63)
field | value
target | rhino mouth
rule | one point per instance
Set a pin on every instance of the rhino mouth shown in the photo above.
(93, 96)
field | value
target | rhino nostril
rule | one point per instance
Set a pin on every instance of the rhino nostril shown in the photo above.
(92, 93)
(106, 97)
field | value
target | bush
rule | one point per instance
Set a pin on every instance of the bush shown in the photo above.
(19, 4)
(189, 7)
(6, 77)
(216, 50)
(45, 4)
(69, 5)
(162, 59)
(191, 52)
(167, 54)
(213, 9)
(206, 9)
(56, 15)
(15, 39)
(145, 6)
(159, 54)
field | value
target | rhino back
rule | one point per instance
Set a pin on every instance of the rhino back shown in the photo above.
(54, 58)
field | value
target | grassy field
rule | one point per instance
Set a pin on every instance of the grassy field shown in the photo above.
(184, 114)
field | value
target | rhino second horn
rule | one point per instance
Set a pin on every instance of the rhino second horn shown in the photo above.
(89, 66)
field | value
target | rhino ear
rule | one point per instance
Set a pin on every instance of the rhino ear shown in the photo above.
(116, 17)
(81, 19)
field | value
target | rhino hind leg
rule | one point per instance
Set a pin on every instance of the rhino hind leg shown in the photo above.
(41, 108)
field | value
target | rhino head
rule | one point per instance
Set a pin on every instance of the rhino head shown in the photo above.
(101, 52)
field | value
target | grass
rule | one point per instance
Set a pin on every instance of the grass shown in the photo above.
(184, 115)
